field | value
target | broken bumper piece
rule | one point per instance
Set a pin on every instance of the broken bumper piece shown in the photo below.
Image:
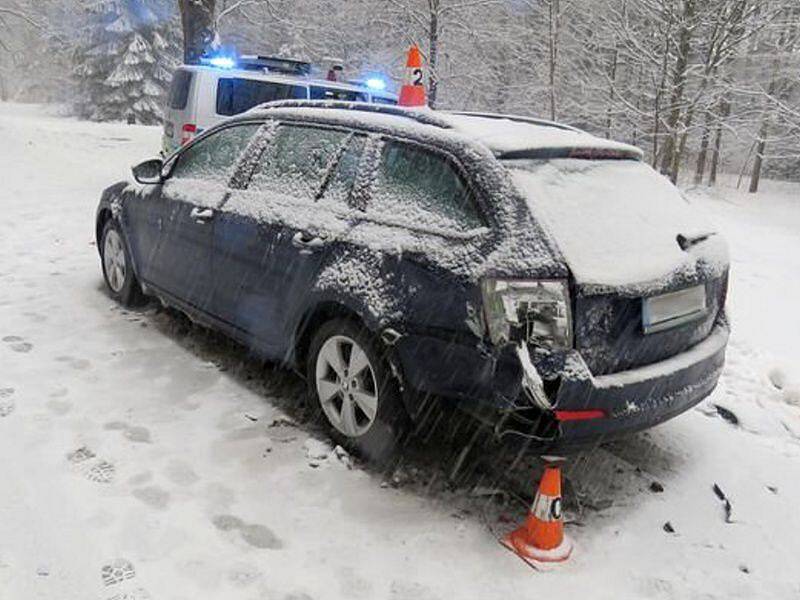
(589, 410)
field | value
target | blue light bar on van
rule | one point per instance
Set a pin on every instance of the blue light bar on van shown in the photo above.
(221, 62)
(375, 83)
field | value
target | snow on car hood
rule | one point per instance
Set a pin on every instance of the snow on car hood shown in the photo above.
(616, 221)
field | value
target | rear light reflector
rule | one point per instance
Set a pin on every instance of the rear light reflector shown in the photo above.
(579, 415)
(187, 133)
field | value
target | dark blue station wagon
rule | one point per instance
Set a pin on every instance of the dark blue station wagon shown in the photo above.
(544, 280)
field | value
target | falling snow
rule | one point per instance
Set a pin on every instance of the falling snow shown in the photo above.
(144, 457)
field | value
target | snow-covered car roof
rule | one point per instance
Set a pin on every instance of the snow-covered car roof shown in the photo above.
(506, 136)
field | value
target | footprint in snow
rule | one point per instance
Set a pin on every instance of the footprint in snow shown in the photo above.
(135, 594)
(35, 317)
(117, 571)
(80, 455)
(118, 574)
(18, 344)
(59, 407)
(79, 364)
(93, 468)
(7, 405)
(180, 473)
(153, 496)
(102, 472)
(255, 535)
(133, 433)
(243, 575)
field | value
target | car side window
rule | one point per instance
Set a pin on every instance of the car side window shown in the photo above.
(298, 160)
(341, 181)
(424, 188)
(214, 157)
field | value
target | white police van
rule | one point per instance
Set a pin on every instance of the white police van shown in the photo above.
(203, 95)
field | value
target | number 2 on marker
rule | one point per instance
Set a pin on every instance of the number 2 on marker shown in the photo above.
(417, 77)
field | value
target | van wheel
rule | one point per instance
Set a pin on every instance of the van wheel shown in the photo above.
(351, 387)
(118, 268)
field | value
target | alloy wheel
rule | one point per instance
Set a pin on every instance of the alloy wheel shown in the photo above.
(346, 386)
(114, 261)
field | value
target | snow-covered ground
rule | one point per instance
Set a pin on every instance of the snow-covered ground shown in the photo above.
(144, 458)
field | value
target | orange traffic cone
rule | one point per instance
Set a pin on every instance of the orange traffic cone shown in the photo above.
(541, 538)
(413, 91)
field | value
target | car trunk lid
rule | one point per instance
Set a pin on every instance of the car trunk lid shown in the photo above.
(627, 235)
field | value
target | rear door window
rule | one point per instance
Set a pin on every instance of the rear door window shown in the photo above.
(236, 95)
(214, 157)
(342, 179)
(299, 159)
(422, 188)
(179, 89)
(332, 93)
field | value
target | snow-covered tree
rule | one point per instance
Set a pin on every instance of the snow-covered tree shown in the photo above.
(123, 67)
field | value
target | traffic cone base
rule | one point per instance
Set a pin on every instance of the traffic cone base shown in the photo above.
(412, 95)
(516, 541)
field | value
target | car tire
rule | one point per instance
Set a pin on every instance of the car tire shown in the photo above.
(117, 266)
(339, 395)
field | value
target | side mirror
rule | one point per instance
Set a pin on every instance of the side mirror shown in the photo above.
(149, 171)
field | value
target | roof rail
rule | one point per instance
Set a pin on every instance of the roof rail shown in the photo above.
(519, 119)
(424, 116)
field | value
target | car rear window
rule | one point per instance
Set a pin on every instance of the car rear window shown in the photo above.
(423, 188)
(331, 93)
(179, 90)
(236, 95)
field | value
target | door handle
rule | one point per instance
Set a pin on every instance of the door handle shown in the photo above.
(306, 242)
(202, 215)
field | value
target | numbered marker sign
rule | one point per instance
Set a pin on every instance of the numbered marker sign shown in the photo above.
(413, 90)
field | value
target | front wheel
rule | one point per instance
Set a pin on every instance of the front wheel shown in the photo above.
(352, 388)
(117, 267)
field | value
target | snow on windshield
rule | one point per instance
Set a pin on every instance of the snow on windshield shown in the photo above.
(616, 221)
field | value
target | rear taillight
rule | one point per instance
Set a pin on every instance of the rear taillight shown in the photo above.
(579, 415)
(535, 312)
(187, 133)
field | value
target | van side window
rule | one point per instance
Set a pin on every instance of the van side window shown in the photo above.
(423, 188)
(213, 158)
(179, 89)
(297, 161)
(236, 95)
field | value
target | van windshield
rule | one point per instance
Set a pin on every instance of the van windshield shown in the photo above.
(236, 95)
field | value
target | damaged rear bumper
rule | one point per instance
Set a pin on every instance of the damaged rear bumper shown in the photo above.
(491, 389)
(643, 397)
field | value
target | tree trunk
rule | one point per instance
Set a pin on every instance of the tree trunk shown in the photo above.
(554, 30)
(433, 54)
(755, 174)
(197, 18)
(669, 159)
(660, 90)
(700, 168)
(612, 84)
(724, 112)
